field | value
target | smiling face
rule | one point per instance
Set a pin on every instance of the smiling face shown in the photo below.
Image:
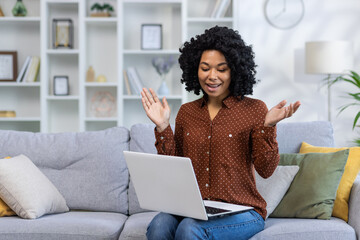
(214, 75)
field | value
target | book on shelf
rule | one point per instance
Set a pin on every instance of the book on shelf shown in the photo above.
(215, 8)
(220, 8)
(209, 8)
(6, 113)
(23, 69)
(32, 70)
(26, 73)
(133, 89)
(135, 81)
(127, 84)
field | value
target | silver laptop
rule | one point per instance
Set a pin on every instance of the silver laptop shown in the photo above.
(168, 184)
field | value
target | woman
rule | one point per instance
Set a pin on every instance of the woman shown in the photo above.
(226, 135)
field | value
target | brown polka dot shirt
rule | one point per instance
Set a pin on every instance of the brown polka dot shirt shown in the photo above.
(224, 151)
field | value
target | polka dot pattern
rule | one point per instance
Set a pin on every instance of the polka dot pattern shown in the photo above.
(226, 150)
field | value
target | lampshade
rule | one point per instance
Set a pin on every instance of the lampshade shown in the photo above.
(329, 57)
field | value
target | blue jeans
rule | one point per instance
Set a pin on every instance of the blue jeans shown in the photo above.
(238, 226)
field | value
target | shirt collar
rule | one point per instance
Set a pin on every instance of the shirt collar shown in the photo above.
(228, 102)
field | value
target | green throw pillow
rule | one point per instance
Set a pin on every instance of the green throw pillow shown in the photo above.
(313, 190)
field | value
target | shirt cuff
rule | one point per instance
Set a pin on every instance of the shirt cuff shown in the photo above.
(164, 135)
(264, 132)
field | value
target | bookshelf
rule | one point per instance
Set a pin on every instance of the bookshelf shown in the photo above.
(108, 44)
(21, 34)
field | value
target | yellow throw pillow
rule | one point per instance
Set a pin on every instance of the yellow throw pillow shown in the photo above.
(5, 210)
(352, 167)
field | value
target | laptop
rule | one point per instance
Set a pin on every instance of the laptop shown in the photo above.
(168, 184)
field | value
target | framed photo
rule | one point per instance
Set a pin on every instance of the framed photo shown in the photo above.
(8, 65)
(61, 85)
(151, 36)
(63, 33)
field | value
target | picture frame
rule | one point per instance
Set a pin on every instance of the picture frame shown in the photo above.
(151, 36)
(61, 85)
(8, 65)
(63, 33)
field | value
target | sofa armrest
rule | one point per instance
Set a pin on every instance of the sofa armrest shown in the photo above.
(354, 207)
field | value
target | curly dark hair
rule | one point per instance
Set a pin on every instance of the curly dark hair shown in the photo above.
(239, 57)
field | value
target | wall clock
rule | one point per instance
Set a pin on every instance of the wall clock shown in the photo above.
(284, 14)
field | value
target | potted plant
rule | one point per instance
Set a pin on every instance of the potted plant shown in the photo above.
(101, 10)
(354, 79)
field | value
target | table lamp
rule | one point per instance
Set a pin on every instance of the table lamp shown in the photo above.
(329, 57)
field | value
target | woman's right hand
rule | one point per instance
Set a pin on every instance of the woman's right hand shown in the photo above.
(159, 113)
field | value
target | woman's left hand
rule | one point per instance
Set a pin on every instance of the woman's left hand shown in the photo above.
(280, 112)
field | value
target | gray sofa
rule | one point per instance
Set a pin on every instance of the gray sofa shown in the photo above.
(90, 172)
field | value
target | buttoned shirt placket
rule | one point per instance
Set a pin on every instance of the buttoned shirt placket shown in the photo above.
(208, 167)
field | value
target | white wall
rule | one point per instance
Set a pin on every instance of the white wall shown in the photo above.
(275, 52)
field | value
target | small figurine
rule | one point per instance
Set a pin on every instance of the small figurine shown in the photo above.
(101, 78)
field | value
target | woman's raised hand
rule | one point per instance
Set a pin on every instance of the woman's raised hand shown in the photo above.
(279, 112)
(159, 113)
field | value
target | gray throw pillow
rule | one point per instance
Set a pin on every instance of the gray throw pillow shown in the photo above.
(273, 189)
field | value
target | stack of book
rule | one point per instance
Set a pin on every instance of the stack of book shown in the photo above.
(6, 113)
(220, 8)
(133, 82)
(29, 70)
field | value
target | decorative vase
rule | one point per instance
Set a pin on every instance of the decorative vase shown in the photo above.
(19, 9)
(90, 75)
(163, 89)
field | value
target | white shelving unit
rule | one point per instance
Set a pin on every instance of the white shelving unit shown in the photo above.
(21, 34)
(110, 45)
(60, 113)
(100, 50)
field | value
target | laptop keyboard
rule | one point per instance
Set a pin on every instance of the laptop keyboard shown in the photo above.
(212, 210)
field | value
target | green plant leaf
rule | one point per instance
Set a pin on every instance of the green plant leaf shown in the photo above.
(355, 75)
(356, 119)
(342, 108)
(351, 81)
(96, 6)
(357, 142)
(108, 7)
(356, 96)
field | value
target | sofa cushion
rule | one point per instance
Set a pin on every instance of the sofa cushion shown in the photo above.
(291, 135)
(352, 167)
(142, 139)
(313, 190)
(88, 168)
(136, 226)
(5, 210)
(273, 189)
(64, 226)
(27, 190)
(309, 229)
(354, 206)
